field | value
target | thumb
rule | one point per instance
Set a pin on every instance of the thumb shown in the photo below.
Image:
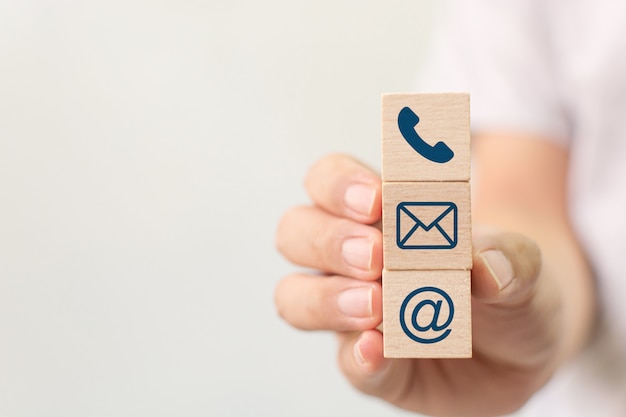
(513, 311)
(506, 266)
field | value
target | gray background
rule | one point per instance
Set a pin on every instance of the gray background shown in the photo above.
(147, 151)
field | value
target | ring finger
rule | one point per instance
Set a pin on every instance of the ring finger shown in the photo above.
(336, 303)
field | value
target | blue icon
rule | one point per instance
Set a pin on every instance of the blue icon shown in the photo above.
(427, 315)
(426, 225)
(440, 152)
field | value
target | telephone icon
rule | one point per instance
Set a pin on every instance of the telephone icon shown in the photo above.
(440, 152)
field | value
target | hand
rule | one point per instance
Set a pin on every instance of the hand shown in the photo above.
(517, 314)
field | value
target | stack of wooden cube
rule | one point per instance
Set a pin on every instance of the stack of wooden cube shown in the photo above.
(426, 226)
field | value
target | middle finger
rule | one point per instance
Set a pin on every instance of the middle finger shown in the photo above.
(311, 237)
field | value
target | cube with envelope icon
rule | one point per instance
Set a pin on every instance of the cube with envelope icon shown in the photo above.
(426, 225)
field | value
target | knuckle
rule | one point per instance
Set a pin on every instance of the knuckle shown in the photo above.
(527, 254)
(315, 170)
(303, 306)
(313, 309)
(284, 229)
(328, 164)
(534, 253)
(328, 240)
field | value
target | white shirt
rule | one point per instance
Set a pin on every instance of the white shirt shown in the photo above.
(558, 68)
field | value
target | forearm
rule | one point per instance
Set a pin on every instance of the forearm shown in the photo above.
(520, 186)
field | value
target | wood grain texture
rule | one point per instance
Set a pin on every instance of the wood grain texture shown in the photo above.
(442, 117)
(427, 314)
(426, 225)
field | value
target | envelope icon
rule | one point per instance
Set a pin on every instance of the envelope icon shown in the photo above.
(426, 225)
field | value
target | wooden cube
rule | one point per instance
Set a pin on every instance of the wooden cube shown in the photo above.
(425, 137)
(427, 314)
(427, 225)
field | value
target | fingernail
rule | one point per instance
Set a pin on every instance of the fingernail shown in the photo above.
(357, 252)
(499, 267)
(360, 198)
(356, 302)
(358, 355)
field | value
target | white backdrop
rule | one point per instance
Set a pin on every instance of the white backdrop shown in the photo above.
(147, 151)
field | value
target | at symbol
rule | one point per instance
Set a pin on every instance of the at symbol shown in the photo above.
(434, 322)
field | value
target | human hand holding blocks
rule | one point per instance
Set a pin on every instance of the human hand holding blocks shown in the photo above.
(426, 226)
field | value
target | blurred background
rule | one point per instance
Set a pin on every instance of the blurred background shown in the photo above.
(147, 151)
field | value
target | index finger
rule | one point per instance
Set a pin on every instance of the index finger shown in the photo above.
(345, 187)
